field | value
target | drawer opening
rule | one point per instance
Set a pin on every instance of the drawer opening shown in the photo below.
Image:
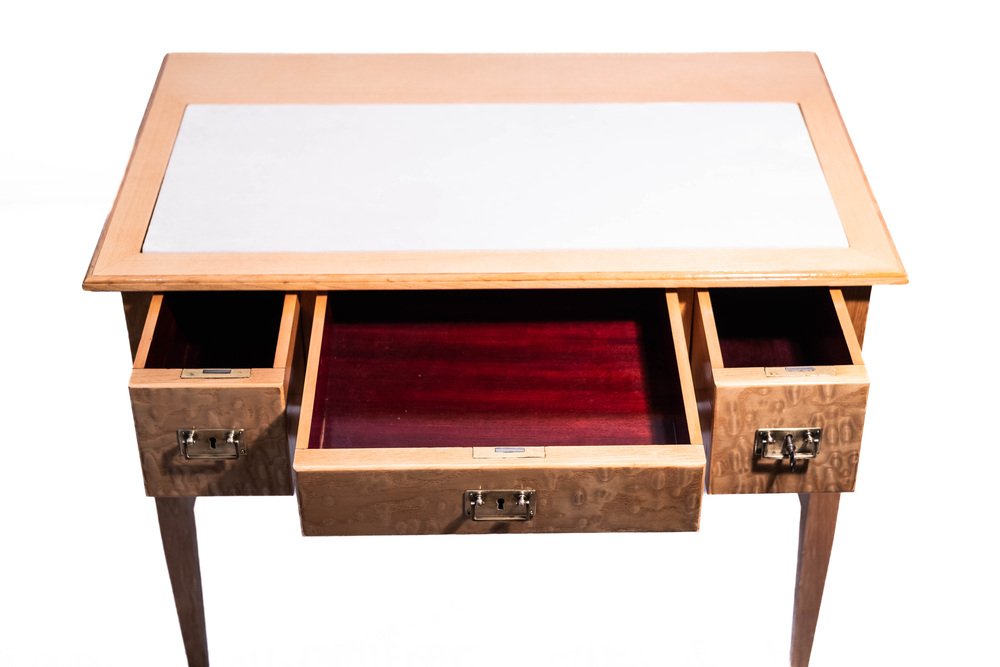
(497, 368)
(216, 330)
(779, 327)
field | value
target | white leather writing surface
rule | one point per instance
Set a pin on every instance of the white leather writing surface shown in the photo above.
(387, 177)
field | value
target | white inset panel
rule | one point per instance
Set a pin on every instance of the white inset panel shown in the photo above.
(383, 177)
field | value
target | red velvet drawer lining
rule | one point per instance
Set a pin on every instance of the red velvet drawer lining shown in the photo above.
(495, 368)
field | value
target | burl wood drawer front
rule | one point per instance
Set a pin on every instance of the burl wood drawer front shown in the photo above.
(414, 399)
(215, 363)
(781, 359)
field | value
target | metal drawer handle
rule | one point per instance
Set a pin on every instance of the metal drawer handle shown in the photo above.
(211, 443)
(503, 505)
(793, 444)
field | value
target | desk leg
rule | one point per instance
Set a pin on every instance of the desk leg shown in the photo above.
(180, 546)
(816, 526)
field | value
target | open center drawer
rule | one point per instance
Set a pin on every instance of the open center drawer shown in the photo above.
(209, 390)
(781, 388)
(493, 411)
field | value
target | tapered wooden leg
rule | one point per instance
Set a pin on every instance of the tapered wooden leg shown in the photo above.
(816, 527)
(180, 546)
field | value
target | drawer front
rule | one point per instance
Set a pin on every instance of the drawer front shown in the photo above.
(365, 488)
(214, 431)
(336, 500)
(743, 406)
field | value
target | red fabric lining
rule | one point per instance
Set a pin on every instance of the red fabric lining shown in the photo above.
(518, 368)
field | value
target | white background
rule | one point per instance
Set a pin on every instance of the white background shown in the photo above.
(913, 579)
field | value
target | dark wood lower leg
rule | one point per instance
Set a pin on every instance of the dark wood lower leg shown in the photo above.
(816, 527)
(180, 546)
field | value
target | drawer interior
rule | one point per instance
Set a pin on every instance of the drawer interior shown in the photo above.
(490, 368)
(214, 330)
(779, 327)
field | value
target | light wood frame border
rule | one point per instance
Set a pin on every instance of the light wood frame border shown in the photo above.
(119, 264)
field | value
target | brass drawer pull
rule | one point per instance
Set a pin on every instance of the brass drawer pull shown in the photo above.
(794, 444)
(506, 505)
(211, 443)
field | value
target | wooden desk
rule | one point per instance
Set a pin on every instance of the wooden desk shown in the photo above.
(503, 293)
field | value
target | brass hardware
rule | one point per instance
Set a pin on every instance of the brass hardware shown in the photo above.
(211, 443)
(508, 452)
(794, 444)
(799, 371)
(214, 373)
(506, 505)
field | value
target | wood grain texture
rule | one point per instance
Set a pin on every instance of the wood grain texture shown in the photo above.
(680, 335)
(735, 402)
(701, 370)
(818, 521)
(419, 490)
(685, 298)
(180, 548)
(146, 333)
(160, 409)
(739, 410)
(163, 402)
(622, 497)
(184, 79)
(136, 305)
(857, 299)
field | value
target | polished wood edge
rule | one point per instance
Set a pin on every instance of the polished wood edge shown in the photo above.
(857, 299)
(142, 351)
(755, 377)
(460, 458)
(681, 352)
(99, 251)
(136, 308)
(686, 298)
(286, 332)
(707, 318)
(151, 378)
(119, 263)
(132, 275)
(313, 354)
(847, 326)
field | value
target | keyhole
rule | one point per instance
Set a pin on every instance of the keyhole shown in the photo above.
(500, 504)
(211, 442)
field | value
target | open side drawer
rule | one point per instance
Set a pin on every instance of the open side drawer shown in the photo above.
(209, 391)
(498, 411)
(779, 377)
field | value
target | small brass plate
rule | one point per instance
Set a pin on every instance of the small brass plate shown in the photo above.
(214, 373)
(508, 452)
(799, 371)
(506, 505)
(211, 443)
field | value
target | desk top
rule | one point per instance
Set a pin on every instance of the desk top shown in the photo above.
(433, 171)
